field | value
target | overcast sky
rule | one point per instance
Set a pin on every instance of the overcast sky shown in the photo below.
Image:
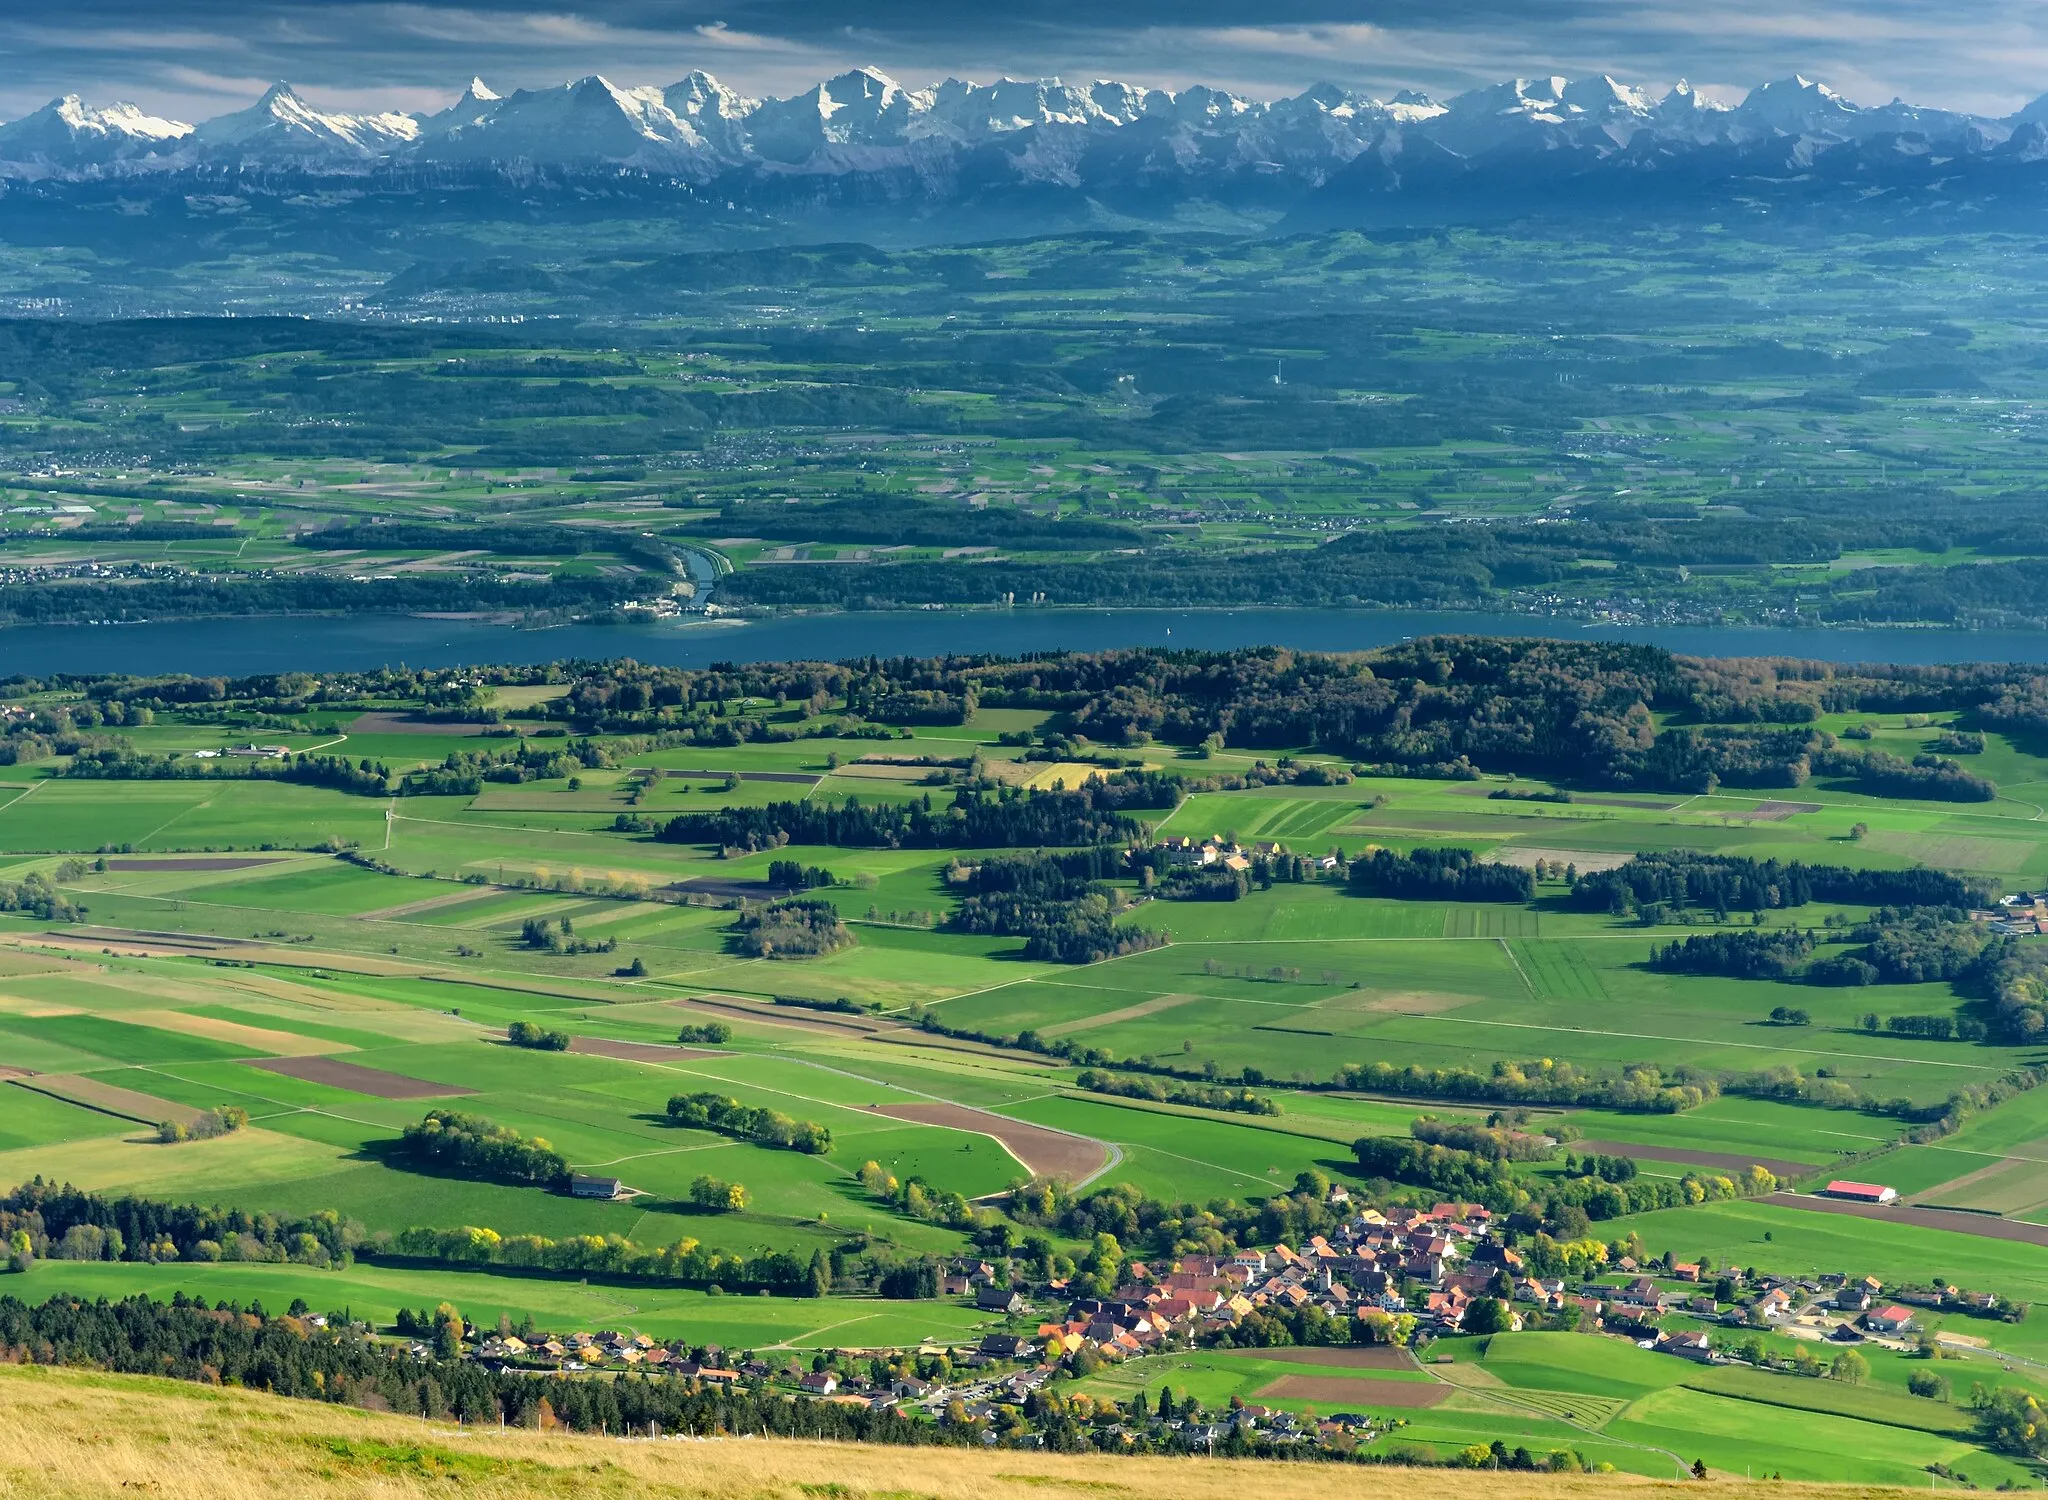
(195, 58)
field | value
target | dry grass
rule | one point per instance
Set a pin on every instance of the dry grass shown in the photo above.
(255, 1038)
(70, 1435)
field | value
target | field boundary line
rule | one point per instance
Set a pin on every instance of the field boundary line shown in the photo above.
(182, 812)
(14, 802)
(1519, 970)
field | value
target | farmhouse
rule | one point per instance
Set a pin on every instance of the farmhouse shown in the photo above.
(1890, 1318)
(1690, 1345)
(1860, 1192)
(582, 1186)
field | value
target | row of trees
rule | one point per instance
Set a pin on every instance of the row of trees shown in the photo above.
(1439, 875)
(129, 1228)
(686, 1262)
(724, 1115)
(472, 1146)
(1166, 1091)
(1685, 880)
(1009, 819)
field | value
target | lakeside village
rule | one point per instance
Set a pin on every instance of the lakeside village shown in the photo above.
(1389, 1289)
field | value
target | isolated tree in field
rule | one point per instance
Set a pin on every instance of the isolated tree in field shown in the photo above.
(1850, 1368)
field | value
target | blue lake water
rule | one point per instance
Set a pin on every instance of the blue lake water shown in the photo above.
(242, 647)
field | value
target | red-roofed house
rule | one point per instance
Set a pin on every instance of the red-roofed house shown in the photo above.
(1888, 1319)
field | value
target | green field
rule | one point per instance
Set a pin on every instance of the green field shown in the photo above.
(463, 913)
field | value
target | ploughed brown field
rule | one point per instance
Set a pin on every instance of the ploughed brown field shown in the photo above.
(1048, 1153)
(1984, 1226)
(404, 723)
(1352, 1357)
(1720, 1161)
(599, 1046)
(108, 1099)
(358, 1079)
(782, 1015)
(1341, 1390)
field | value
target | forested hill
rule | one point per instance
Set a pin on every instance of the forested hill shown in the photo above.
(1591, 714)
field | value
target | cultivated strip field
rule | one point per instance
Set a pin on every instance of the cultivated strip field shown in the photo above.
(357, 1079)
(1044, 1152)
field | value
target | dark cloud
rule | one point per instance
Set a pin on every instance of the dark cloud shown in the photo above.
(198, 57)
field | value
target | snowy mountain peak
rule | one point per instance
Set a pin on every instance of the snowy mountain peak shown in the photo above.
(1798, 106)
(1603, 97)
(118, 120)
(282, 121)
(480, 92)
(68, 134)
(700, 96)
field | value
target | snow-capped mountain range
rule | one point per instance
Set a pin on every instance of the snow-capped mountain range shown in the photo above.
(1133, 150)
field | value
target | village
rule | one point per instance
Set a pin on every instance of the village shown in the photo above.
(1419, 1286)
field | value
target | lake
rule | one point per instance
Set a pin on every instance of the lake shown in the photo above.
(242, 647)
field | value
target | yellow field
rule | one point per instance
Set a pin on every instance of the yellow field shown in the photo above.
(73, 1435)
(255, 1038)
(32, 1009)
(1073, 772)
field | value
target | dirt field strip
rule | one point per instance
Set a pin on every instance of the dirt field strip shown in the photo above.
(1985, 1226)
(1357, 1390)
(1043, 1152)
(1392, 1002)
(1725, 1161)
(124, 1104)
(256, 1038)
(431, 903)
(34, 1010)
(390, 723)
(791, 1016)
(601, 1046)
(16, 965)
(140, 943)
(1589, 861)
(197, 862)
(1111, 1017)
(374, 1082)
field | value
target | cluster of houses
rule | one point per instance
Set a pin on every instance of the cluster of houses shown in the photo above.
(2023, 912)
(1415, 1274)
(1359, 1271)
(1185, 853)
(608, 1350)
(250, 751)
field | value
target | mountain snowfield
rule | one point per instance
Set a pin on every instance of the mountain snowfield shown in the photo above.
(1122, 150)
(699, 125)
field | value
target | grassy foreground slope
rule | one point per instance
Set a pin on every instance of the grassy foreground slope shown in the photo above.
(68, 1435)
